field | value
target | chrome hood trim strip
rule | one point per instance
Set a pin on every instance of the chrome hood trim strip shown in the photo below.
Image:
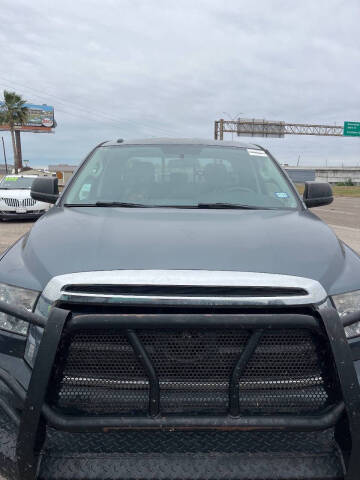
(54, 290)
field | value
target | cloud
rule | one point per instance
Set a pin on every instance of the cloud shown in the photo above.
(134, 68)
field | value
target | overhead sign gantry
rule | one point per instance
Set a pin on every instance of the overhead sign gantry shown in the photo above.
(244, 127)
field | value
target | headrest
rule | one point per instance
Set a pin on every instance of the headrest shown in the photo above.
(216, 173)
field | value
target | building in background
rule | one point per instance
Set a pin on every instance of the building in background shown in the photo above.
(332, 175)
(300, 175)
(3, 168)
(63, 172)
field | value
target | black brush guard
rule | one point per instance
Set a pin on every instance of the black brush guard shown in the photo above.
(36, 413)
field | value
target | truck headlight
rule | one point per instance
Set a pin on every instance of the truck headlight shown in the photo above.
(348, 303)
(19, 297)
(43, 307)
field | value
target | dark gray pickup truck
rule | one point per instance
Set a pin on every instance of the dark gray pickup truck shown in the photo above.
(179, 314)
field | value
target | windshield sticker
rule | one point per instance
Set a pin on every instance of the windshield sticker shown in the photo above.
(257, 153)
(281, 194)
(11, 179)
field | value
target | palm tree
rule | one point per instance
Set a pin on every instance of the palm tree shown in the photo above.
(12, 113)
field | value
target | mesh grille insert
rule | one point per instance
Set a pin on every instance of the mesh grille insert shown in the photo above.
(97, 372)
(101, 374)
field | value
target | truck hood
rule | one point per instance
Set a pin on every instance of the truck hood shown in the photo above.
(68, 240)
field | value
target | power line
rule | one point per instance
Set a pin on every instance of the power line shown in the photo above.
(87, 111)
(63, 109)
(92, 112)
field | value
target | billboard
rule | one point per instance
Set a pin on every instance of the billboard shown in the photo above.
(260, 128)
(40, 119)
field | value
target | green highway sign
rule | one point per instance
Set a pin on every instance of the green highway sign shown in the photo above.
(351, 129)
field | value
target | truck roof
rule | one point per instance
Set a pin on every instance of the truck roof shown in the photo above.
(181, 141)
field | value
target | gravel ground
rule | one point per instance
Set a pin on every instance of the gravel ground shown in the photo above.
(11, 230)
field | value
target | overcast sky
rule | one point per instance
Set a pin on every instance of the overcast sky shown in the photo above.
(141, 68)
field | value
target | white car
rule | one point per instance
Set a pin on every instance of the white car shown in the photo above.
(15, 199)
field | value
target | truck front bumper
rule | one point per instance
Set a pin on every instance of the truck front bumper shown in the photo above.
(164, 455)
(29, 215)
(38, 442)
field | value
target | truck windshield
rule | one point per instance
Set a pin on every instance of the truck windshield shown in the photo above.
(180, 176)
(15, 183)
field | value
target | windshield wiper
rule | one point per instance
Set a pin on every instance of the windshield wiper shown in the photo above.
(231, 205)
(121, 204)
(215, 205)
(107, 204)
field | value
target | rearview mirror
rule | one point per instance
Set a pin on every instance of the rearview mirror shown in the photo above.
(317, 194)
(45, 189)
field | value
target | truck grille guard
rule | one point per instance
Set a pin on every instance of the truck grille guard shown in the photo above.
(324, 318)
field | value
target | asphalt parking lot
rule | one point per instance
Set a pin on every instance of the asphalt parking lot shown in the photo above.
(343, 215)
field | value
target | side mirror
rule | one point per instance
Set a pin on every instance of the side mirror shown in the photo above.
(45, 189)
(317, 194)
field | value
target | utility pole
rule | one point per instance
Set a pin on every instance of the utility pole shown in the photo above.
(6, 167)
